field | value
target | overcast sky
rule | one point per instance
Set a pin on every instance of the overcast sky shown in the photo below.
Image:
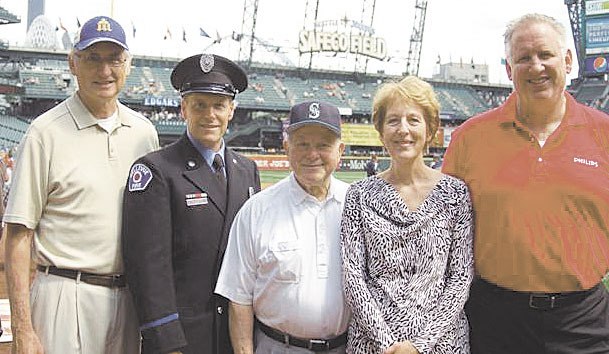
(454, 30)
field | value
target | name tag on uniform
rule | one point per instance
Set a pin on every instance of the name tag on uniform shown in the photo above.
(194, 199)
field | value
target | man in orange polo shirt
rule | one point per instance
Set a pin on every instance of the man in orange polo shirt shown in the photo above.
(538, 171)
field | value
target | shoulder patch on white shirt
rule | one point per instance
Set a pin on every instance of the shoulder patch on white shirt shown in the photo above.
(139, 177)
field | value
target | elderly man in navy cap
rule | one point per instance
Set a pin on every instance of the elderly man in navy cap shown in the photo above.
(178, 208)
(66, 204)
(282, 267)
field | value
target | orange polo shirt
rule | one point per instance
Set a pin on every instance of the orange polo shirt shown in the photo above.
(541, 213)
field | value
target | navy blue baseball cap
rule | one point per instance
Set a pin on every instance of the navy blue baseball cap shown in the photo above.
(208, 73)
(315, 112)
(100, 29)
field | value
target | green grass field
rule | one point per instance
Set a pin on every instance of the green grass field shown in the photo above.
(268, 178)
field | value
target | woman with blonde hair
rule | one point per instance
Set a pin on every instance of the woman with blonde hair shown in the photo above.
(406, 237)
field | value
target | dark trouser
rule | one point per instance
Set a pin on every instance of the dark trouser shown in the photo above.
(509, 322)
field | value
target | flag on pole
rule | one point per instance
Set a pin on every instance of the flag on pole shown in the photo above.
(184, 34)
(218, 38)
(133, 28)
(167, 34)
(237, 36)
(61, 25)
(77, 22)
(203, 33)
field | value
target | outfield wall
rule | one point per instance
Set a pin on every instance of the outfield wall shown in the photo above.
(281, 163)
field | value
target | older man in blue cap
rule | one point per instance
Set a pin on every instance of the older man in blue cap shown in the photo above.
(282, 268)
(178, 208)
(65, 208)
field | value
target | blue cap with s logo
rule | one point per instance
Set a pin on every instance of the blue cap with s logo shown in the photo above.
(315, 112)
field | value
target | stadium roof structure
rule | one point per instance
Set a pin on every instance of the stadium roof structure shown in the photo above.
(7, 18)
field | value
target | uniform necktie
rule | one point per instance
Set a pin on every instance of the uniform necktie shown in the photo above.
(218, 166)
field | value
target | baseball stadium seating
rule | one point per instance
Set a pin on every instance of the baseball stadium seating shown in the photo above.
(46, 80)
(11, 130)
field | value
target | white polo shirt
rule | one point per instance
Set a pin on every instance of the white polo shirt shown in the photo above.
(283, 258)
(68, 184)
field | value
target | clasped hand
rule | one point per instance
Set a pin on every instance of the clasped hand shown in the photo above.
(401, 348)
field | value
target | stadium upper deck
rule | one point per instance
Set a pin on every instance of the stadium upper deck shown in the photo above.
(272, 88)
(36, 80)
(33, 81)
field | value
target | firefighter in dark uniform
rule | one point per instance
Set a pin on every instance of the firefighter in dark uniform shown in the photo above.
(179, 204)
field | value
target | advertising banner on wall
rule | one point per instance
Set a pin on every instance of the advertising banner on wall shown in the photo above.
(597, 35)
(281, 163)
(596, 65)
(161, 101)
(597, 7)
(360, 135)
(271, 162)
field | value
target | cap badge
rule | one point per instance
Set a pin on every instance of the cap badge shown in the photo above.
(206, 62)
(314, 110)
(103, 26)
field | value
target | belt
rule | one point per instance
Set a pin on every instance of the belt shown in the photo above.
(109, 281)
(316, 345)
(537, 301)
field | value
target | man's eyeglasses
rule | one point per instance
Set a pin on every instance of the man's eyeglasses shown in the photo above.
(95, 60)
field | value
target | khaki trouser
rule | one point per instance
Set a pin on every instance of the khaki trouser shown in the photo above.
(75, 317)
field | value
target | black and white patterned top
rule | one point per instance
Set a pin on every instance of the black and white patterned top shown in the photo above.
(407, 273)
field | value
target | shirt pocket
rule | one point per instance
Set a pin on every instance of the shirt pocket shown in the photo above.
(286, 256)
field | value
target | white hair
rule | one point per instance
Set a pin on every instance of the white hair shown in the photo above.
(533, 18)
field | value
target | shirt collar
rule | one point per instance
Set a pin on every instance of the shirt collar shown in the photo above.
(574, 114)
(299, 195)
(84, 119)
(206, 153)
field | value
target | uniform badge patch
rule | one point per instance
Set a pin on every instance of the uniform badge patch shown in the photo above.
(139, 177)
